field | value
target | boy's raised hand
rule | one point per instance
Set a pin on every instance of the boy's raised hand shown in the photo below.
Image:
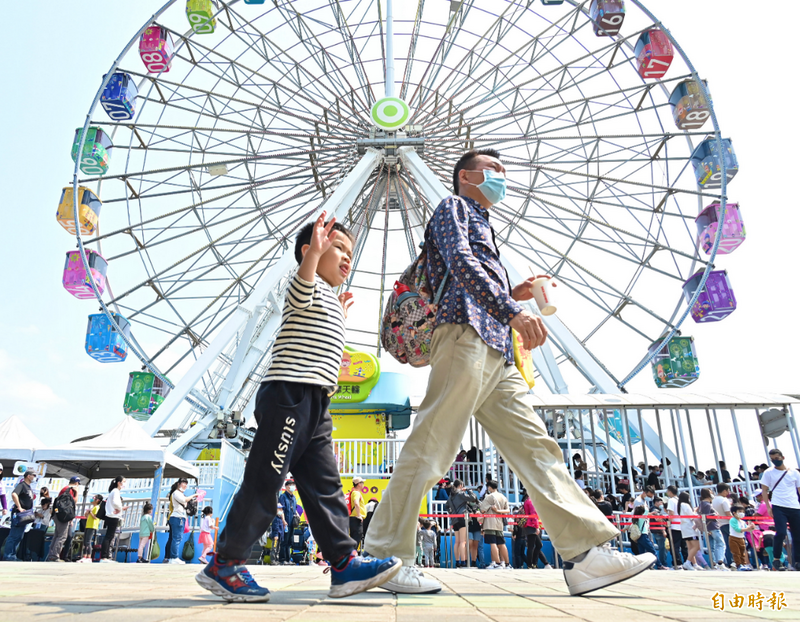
(321, 235)
(346, 299)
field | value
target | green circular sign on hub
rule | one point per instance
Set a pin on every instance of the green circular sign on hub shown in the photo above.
(390, 113)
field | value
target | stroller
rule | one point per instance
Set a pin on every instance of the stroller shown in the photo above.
(300, 552)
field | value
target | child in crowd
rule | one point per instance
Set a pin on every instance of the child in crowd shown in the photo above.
(92, 525)
(428, 545)
(206, 527)
(43, 515)
(146, 532)
(295, 427)
(736, 542)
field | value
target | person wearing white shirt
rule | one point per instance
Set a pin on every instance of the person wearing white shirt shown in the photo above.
(114, 510)
(677, 545)
(783, 505)
(722, 506)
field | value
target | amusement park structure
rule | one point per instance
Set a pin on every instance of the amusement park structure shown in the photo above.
(208, 148)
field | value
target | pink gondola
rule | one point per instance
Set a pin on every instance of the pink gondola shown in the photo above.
(75, 279)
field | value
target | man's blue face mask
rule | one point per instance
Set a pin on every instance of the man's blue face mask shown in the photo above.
(493, 186)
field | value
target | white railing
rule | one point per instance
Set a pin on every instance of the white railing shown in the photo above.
(209, 471)
(232, 462)
(368, 458)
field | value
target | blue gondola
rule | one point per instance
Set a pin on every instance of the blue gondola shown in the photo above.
(103, 342)
(707, 163)
(119, 97)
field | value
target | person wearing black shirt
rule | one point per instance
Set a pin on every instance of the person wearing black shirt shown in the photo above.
(23, 497)
(652, 478)
(602, 505)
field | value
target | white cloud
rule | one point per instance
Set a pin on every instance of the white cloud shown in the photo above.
(18, 391)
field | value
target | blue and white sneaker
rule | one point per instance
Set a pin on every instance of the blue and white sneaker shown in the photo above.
(361, 574)
(232, 581)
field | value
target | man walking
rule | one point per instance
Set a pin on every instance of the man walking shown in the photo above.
(23, 497)
(473, 373)
(358, 511)
(63, 513)
(784, 507)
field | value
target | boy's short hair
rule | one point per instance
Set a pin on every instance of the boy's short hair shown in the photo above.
(491, 484)
(736, 508)
(465, 162)
(304, 237)
(722, 487)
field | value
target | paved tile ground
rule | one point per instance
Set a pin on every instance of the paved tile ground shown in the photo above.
(37, 591)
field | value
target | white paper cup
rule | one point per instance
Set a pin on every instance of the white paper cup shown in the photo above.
(543, 294)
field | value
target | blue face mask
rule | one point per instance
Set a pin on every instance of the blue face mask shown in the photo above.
(493, 186)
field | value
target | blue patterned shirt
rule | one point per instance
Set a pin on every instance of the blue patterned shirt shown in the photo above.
(478, 292)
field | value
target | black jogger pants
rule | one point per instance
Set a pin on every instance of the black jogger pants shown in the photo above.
(294, 434)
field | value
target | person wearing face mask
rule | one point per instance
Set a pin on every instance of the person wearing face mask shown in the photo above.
(736, 541)
(473, 374)
(780, 488)
(289, 503)
(277, 529)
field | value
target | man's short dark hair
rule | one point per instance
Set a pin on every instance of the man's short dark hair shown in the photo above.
(774, 452)
(491, 484)
(722, 487)
(304, 237)
(672, 489)
(465, 162)
(649, 489)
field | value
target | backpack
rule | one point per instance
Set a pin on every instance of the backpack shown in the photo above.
(64, 508)
(410, 314)
(101, 510)
(188, 550)
(634, 532)
(191, 507)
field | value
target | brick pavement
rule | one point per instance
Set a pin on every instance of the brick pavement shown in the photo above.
(140, 593)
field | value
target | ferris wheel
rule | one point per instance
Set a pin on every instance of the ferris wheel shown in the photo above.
(212, 141)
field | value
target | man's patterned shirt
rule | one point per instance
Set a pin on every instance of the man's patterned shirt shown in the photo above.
(478, 292)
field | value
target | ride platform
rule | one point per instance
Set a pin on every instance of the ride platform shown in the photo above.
(151, 593)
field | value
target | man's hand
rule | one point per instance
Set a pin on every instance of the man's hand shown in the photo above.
(524, 291)
(346, 299)
(531, 328)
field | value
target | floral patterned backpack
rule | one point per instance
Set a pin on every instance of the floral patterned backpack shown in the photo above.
(410, 314)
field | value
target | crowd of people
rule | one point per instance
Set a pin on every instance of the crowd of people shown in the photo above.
(44, 528)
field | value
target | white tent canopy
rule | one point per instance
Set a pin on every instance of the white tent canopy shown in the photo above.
(17, 443)
(126, 449)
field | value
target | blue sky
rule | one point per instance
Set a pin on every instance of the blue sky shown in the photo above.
(55, 56)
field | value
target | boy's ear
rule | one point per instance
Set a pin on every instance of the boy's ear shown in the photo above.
(304, 249)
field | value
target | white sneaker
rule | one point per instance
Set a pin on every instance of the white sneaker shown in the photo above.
(84, 560)
(107, 561)
(698, 567)
(602, 567)
(175, 560)
(412, 581)
(687, 565)
(507, 566)
(493, 566)
(548, 567)
(723, 568)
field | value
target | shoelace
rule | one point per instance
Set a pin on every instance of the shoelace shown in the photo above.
(246, 577)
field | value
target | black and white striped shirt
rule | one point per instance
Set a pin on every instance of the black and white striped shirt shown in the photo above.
(311, 337)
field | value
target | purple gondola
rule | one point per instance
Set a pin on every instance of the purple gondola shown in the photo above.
(716, 301)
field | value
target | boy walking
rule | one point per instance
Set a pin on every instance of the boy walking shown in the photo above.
(294, 430)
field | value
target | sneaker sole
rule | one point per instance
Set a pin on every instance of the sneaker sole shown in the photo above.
(356, 587)
(595, 584)
(215, 588)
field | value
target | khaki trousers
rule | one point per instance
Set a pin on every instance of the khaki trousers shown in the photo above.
(470, 378)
